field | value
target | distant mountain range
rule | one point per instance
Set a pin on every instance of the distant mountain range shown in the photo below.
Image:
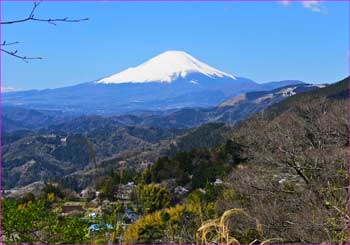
(171, 80)
(231, 111)
(64, 149)
(44, 144)
(19, 118)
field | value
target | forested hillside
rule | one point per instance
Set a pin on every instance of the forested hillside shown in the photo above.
(39, 145)
(295, 179)
(290, 183)
(278, 177)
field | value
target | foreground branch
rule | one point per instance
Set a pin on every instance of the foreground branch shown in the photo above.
(14, 54)
(4, 43)
(31, 17)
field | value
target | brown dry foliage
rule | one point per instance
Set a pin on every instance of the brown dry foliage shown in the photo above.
(295, 182)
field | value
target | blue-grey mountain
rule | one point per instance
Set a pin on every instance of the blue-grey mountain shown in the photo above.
(173, 79)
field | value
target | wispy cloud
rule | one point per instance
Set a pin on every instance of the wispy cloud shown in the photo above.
(314, 6)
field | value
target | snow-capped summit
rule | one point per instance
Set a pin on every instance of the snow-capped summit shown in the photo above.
(165, 67)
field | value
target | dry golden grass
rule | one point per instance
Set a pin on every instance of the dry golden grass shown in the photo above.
(217, 231)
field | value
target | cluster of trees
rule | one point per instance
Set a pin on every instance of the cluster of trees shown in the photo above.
(34, 220)
(166, 226)
(107, 185)
(205, 136)
(176, 224)
(152, 197)
(196, 167)
(40, 220)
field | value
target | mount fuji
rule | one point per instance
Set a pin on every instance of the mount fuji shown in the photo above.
(173, 79)
(166, 67)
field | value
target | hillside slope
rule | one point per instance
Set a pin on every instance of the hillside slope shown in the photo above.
(61, 150)
(295, 179)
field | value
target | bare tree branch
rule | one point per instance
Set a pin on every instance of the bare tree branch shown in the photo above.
(31, 17)
(4, 43)
(14, 54)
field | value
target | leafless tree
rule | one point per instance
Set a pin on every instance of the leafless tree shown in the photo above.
(296, 178)
(31, 17)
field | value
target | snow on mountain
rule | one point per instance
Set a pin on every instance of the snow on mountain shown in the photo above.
(287, 91)
(165, 67)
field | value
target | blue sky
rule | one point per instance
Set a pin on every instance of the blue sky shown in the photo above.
(263, 41)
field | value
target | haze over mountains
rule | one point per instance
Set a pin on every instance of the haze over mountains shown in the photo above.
(171, 80)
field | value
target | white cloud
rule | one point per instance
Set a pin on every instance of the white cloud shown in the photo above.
(314, 6)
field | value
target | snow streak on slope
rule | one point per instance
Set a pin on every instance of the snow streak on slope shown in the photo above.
(165, 67)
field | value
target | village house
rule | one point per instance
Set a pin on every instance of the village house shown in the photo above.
(218, 182)
(131, 216)
(180, 190)
(124, 192)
